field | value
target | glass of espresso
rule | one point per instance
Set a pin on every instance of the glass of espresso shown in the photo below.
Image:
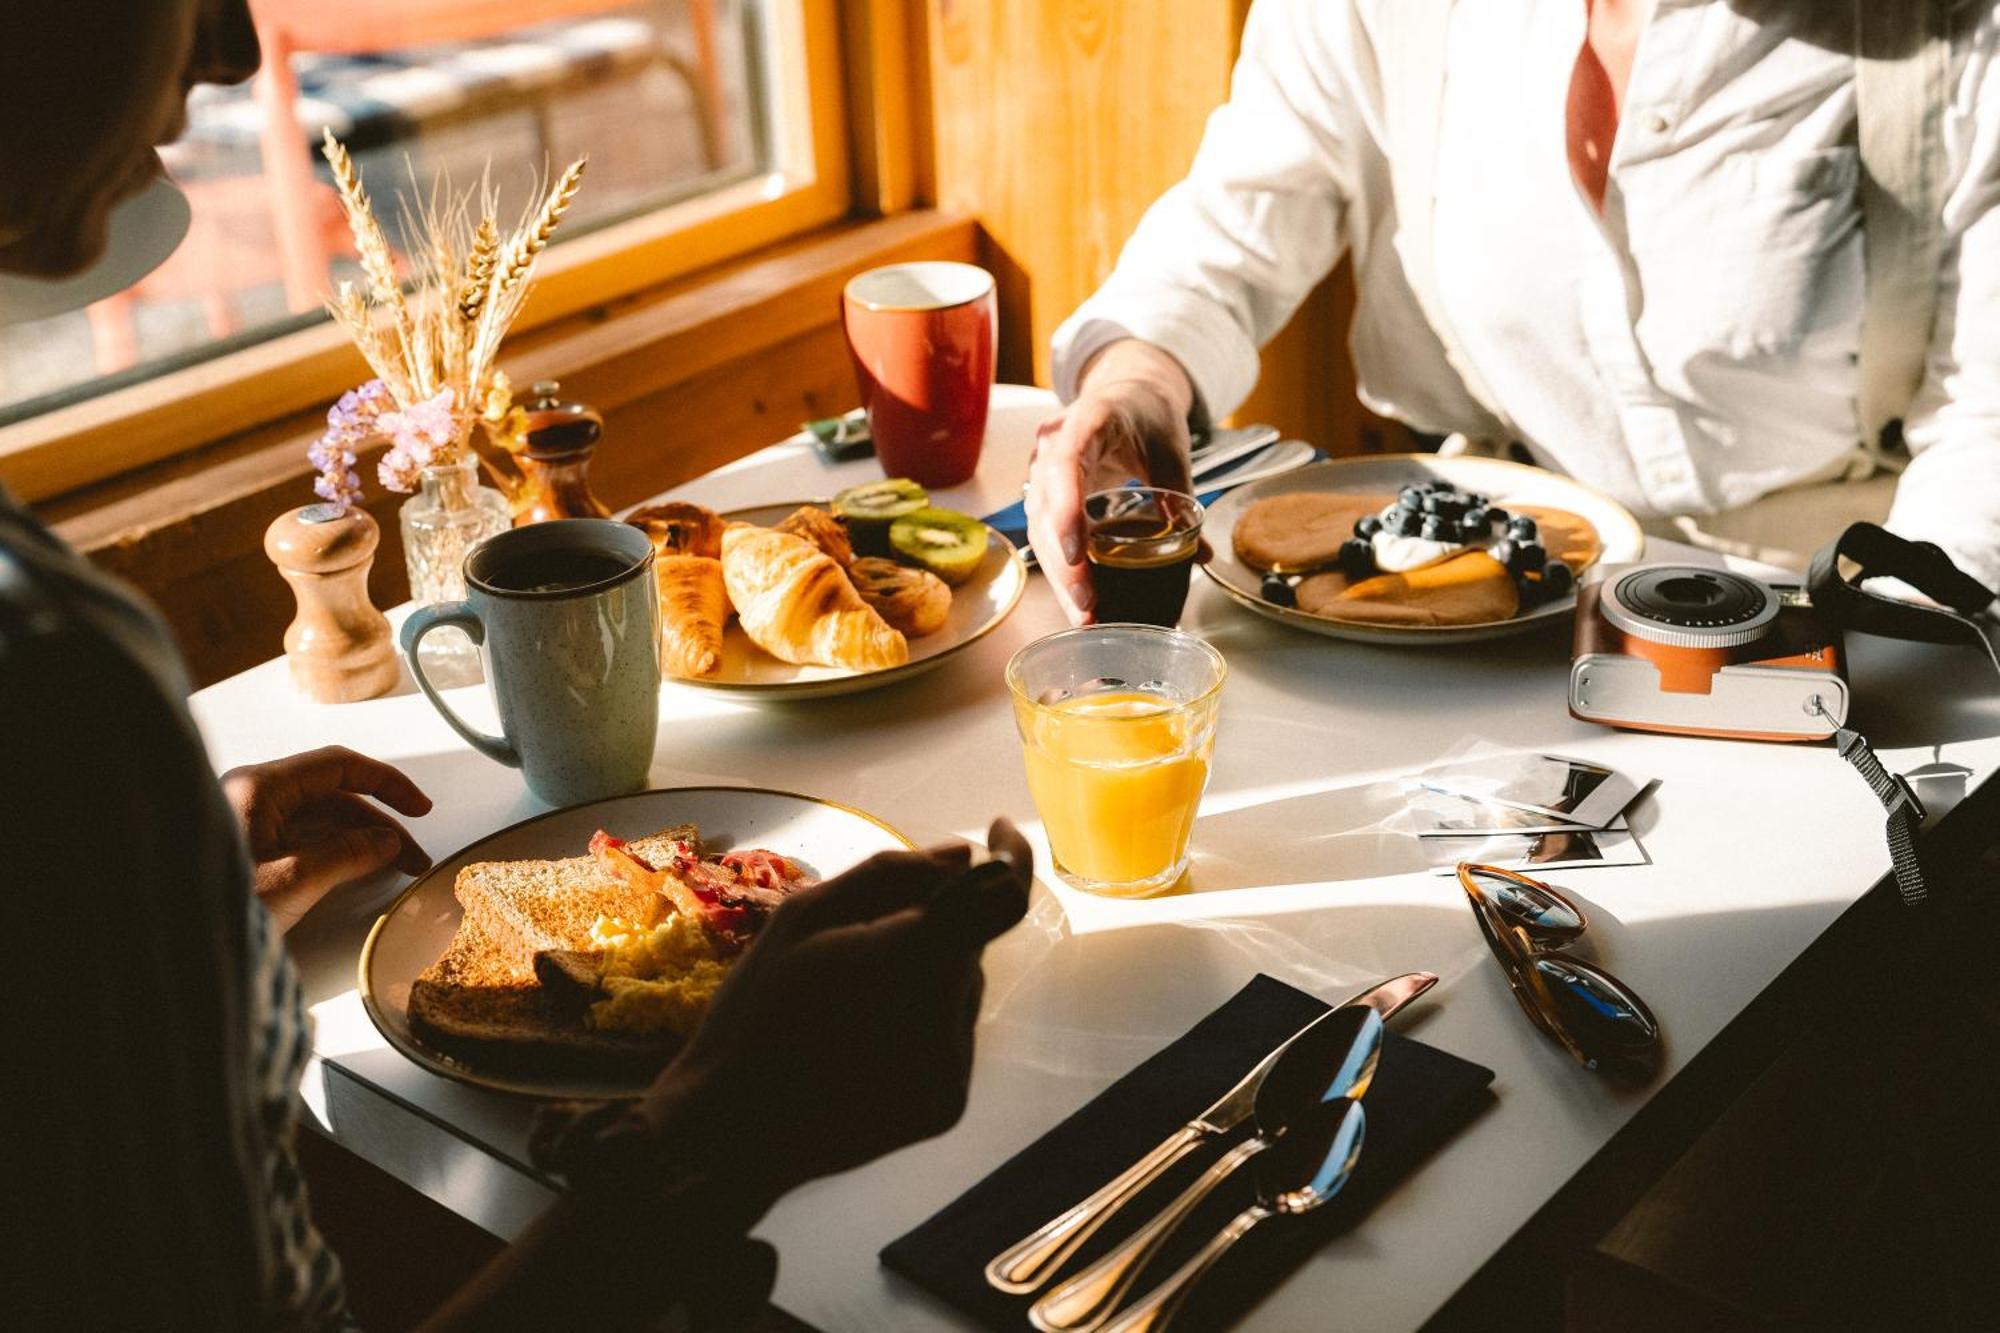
(1142, 542)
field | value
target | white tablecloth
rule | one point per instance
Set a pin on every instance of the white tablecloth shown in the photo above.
(1755, 849)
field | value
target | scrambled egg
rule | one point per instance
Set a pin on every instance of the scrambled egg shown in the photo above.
(655, 978)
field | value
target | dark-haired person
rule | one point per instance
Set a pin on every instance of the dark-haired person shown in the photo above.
(1630, 240)
(153, 1032)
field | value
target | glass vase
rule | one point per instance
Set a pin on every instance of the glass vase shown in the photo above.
(449, 515)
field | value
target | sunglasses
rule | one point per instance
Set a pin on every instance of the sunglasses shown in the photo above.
(1592, 1014)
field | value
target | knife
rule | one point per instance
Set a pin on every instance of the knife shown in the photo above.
(1025, 1265)
(1210, 457)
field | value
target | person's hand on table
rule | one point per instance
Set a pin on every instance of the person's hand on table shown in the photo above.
(845, 1031)
(1129, 420)
(310, 825)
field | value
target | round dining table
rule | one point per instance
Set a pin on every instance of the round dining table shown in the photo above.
(1752, 852)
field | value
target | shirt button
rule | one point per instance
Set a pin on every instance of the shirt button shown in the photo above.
(1658, 122)
(1666, 474)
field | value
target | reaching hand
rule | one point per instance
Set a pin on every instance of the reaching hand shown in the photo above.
(1130, 420)
(845, 1031)
(311, 827)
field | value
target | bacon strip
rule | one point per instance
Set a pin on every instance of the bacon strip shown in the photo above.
(612, 854)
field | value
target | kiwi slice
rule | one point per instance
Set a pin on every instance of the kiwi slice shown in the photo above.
(949, 544)
(871, 508)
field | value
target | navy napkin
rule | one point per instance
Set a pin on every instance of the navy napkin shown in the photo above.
(1419, 1097)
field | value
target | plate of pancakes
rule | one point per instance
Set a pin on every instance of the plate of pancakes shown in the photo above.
(1292, 529)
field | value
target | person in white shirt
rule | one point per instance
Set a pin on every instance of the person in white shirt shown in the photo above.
(1640, 261)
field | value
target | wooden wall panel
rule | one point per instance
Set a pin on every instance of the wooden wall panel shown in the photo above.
(1056, 123)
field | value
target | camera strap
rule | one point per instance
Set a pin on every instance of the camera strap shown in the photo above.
(1877, 552)
(1924, 566)
(1906, 812)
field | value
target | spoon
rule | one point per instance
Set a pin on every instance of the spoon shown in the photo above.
(1025, 1265)
(1332, 1060)
(1309, 1167)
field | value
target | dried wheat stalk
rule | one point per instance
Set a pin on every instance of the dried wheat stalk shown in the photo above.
(377, 260)
(533, 238)
(479, 265)
(467, 285)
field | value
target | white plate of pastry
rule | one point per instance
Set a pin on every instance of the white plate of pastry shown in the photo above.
(774, 601)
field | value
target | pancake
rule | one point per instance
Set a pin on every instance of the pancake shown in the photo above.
(1293, 533)
(1471, 588)
(1567, 537)
(1303, 532)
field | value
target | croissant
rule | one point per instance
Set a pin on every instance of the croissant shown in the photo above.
(694, 606)
(797, 605)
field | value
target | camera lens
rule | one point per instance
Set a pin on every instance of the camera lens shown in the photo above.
(1689, 593)
(1690, 606)
(1692, 598)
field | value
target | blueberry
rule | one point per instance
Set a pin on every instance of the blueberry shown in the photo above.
(1410, 496)
(1528, 556)
(1472, 529)
(1404, 523)
(1479, 514)
(1503, 551)
(1523, 529)
(1367, 527)
(1357, 559)
(1495, 514)
(1557, 580)
(1436, 529)
(1431, 501)
(1278, 591)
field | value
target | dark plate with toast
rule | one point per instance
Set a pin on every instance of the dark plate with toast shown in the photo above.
(491, 996)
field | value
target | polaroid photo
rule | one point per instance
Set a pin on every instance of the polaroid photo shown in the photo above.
(1432, 814)
(1562, 788)
(1575, 849)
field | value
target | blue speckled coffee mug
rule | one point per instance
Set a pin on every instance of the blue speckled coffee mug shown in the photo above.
(567, 618)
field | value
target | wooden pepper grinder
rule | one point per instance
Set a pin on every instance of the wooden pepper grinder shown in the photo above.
(557, 440)
(339, 648)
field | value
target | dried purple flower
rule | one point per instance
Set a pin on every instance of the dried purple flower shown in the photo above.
(350, 423)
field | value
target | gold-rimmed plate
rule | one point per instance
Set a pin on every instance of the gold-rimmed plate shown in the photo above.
(977, 607)
(418, 927)
(1509, 484)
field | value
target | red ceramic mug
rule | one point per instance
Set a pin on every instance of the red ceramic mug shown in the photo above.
(922, 337)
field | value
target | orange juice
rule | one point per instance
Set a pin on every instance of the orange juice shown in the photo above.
(1117, 776)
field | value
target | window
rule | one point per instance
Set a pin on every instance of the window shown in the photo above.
(712, 126)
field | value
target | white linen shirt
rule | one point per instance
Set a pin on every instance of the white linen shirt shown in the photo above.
(1688, 351)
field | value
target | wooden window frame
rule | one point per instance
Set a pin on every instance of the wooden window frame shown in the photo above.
(811, 185)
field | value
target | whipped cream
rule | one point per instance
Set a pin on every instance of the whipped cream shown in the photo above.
(1398, 555)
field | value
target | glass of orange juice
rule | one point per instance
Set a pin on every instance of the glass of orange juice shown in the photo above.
(1117, 725)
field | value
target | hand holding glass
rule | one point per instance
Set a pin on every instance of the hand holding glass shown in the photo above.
(1142, 544)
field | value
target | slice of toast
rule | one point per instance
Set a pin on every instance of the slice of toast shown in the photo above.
(476, 1003)
(482, 1000)
(529, 906)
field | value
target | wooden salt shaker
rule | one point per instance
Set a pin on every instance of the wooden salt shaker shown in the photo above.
(339, 647)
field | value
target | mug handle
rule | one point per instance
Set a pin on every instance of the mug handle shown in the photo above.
(438, 615)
